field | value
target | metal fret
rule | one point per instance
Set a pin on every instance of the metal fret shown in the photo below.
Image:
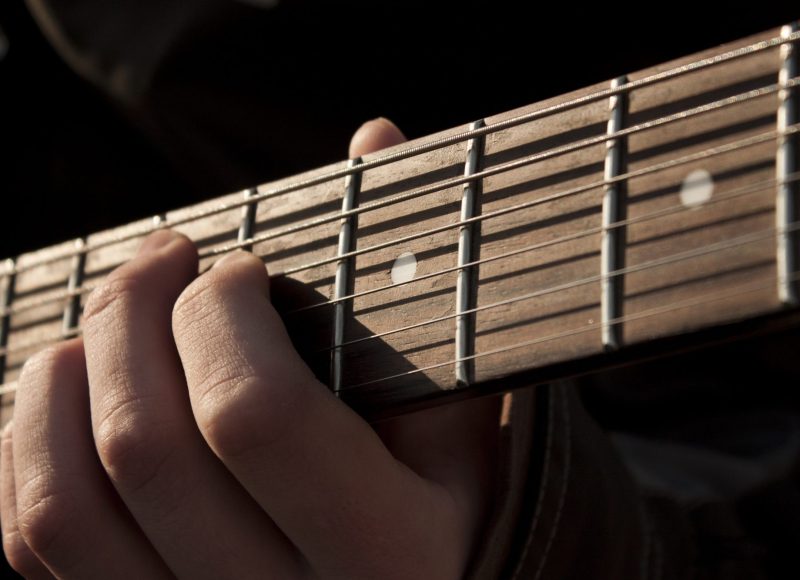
(6, 298)
(613, 239)
(786, 165)
(465, 283)
(344, 274)
(248, 219)
(73, 309)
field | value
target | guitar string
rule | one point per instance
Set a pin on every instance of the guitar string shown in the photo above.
(447, 184)
(673, 258)
(708, 298)
(22, 306)
(732, 194)
(727, 196)
(558, 196)
(66, 294)
(718, 198)
(655, 263)
(18, 307)
(695, 66)
(498, 169)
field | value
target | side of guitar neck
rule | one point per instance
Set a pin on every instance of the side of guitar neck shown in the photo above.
(657, 205)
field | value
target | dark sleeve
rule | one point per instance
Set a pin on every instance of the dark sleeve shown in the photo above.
(205, 81)
(568, 508)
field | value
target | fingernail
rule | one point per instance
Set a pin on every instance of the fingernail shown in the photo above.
(232, 257)
(156, 241)
(6, 429)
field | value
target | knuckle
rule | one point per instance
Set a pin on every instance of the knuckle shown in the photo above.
(236, 415)
(44, 518)
(221, 415)
(129, 449)
(111, 295)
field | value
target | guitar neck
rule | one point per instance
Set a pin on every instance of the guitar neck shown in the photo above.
(517, 248)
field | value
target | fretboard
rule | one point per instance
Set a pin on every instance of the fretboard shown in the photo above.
(660, 204)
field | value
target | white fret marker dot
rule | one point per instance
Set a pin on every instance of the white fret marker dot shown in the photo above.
(697, 188)
(404, 268)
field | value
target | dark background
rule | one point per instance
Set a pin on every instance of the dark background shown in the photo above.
(261, 95)
(276, 92)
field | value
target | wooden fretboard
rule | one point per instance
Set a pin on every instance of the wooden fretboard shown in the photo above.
(657, 205)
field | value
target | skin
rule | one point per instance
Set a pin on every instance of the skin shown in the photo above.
(183, 436)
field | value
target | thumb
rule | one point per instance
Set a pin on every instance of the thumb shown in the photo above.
(375, 135)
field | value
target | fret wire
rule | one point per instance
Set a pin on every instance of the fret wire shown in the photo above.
(73, 308)
(468, 236)
(720, 198)
(344, 274)
(612, 238)
(503, 168)
(703, 300)
(785, 164)
(248, 218)
(5, 320)
(733, 194)
(707, 153)
(742, 240)
(547, 199)
(671, 259)
(440, 143)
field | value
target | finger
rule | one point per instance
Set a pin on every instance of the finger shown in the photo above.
(19, 555)
(196, 515)
(67, 512)
(374, 135)
(316, 467)
(454, 445)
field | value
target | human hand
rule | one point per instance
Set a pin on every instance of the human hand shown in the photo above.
(183, 435)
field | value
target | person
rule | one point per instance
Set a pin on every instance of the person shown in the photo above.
(183, 436)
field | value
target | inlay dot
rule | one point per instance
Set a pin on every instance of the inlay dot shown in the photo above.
(697, 188)
(404, 268)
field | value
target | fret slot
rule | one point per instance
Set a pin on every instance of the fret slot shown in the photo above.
(468, 240)
(613, 240)
(6, 298)
(73, 309)
(785, 166)
(343, 282)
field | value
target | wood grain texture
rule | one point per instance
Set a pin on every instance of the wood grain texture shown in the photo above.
(561, 322)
